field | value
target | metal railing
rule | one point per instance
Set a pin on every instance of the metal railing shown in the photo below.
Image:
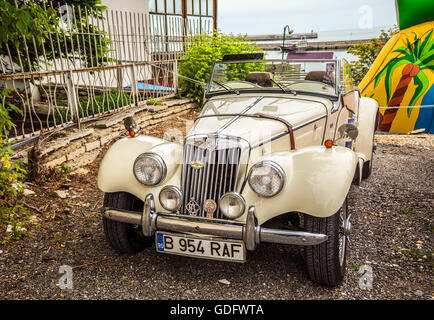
(104, 61)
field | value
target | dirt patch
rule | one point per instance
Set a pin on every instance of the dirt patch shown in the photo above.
(392, 234)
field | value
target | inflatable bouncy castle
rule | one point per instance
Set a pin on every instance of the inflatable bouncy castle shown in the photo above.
(401, 78)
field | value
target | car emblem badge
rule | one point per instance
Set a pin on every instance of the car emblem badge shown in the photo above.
(211, 144)
(192, 207)
(210, 207)
(196, 164)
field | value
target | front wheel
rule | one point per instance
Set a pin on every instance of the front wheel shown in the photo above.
(326, 262)
(124, 237)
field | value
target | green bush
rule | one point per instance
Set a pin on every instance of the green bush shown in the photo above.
(11, 175)
(203, 51)
(37, 23)
(367, 53)
(104, 102)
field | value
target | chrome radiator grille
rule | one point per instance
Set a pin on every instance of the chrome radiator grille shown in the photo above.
(208, 174)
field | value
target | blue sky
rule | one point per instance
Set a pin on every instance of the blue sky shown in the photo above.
(270, 16)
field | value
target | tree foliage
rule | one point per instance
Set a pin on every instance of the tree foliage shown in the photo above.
(202, 53)
(33, 32)
(367, 53)
(11, 175)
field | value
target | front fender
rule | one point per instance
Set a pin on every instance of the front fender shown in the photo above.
(368, 111)
(116, 169)
(317, 181)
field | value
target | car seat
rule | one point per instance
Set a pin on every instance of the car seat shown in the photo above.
(260, 78)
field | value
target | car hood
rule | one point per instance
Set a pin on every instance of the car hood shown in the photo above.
(294, 109)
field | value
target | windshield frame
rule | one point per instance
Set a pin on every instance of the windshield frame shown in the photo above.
(208, 94)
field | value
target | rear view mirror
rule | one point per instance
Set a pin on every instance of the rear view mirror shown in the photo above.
(348, 130)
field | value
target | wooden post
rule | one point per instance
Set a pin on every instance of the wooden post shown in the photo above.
(134, 84)
(215, 16)
(184, 20)
(175, 76)
(72, 99)
(119, 77)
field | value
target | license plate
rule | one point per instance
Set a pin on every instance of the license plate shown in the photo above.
(229, 250)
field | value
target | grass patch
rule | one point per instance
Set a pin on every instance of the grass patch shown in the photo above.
(64, 238)
(354, 266)
(154, 102)
(428, 227)
(90, 106)
(417, 254)
(408, 212)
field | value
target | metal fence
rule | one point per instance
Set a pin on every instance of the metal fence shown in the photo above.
(103, 61)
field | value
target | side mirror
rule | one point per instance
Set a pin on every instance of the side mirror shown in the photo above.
(348, 130)
(351, 101)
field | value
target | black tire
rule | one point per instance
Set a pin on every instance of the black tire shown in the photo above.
(325, 264)
(367, 166)
(367, 169)
(124, 237)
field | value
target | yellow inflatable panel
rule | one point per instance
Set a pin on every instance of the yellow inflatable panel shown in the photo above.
(401, 79)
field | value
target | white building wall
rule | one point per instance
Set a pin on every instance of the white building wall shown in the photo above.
(140, 6)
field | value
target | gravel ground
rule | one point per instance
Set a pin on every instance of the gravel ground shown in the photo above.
(392, 235)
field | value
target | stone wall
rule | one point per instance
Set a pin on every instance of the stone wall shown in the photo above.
(78, 147)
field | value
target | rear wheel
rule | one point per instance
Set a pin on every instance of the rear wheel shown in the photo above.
(124, 237)
(367, 166)
(326, 262)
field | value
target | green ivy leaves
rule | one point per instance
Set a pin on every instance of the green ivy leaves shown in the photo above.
(203, 51)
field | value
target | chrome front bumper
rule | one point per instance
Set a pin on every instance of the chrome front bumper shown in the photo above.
(249, 232)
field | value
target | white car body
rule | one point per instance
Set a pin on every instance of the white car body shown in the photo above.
(317, 178)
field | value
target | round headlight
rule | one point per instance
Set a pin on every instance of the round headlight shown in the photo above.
(170, 198)
(266, 178)
(149, 169)
(232, 205)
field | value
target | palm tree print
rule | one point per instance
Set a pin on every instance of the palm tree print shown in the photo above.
(418, 59)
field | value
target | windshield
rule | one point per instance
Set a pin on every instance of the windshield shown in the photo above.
(288, 76)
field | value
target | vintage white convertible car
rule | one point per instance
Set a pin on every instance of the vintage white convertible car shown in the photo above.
(271, 158)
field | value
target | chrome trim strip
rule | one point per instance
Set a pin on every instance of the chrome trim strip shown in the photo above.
(279, 135)
(295, 237)
(227, 124)
(250, 232)
(229, 151)
(149, 216)
(201, 219)
(181, 226)
(131, 217)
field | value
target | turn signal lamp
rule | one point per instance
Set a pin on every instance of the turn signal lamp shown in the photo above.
(328, 143)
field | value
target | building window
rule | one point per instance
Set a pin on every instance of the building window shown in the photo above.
(152, 7)
(170, 7)
(161, 6)
(178, 6)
